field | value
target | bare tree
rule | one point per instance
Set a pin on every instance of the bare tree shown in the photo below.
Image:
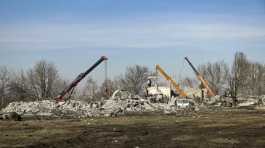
(106, 89)
(59, 85)
(4, 80)
(217, 75)
(134, 78)
(42, 79)
(90, 88)
(239, 71)
(247, 78)
(19, 89)
(117, 82)
(255, 79)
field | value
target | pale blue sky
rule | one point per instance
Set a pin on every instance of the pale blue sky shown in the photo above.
(73, 34)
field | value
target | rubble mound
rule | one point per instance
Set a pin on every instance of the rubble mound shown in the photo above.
(51, 108)
(43, 107)
(78, 108)
(113, 107)
(120, 103)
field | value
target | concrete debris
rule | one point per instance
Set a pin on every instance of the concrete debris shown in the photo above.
(248, 102)
(121, 95)
(122, 102)
(44, 107)
(51, 108)
(212, 100)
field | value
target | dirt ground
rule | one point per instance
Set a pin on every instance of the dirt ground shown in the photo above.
(233, 128)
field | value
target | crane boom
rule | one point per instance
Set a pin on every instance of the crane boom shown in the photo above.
(81, 76)
(200, 78)
(173, 82)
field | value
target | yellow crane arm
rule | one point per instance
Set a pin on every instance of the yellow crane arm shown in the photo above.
(173, 82)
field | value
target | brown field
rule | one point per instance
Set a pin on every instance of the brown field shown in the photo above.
(233, 128)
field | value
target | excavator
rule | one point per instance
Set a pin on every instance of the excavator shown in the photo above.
(80, 77)
(201, 79)
(173, 82)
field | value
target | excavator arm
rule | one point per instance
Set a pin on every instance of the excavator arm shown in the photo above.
(173, 82)
(200, 78)
(80, 77)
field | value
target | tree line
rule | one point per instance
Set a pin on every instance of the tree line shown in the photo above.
(244, 78)
(42, 81)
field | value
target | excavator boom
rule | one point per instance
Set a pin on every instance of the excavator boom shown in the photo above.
(80, 77)
(173, 82)
(200, 78)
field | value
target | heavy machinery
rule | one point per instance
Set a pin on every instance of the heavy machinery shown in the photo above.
(73, 84)
(156, 93)
(173, 82)
(201, 79)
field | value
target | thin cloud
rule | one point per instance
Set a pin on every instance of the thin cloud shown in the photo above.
(155, 35)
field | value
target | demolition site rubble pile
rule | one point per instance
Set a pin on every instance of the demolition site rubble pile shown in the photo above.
(51, 108)
(120, 103)
(81, 109)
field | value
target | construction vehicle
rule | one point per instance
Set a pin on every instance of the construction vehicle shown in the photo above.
(157, 93)
(201, 79)
(74, 83)
(173, 82)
